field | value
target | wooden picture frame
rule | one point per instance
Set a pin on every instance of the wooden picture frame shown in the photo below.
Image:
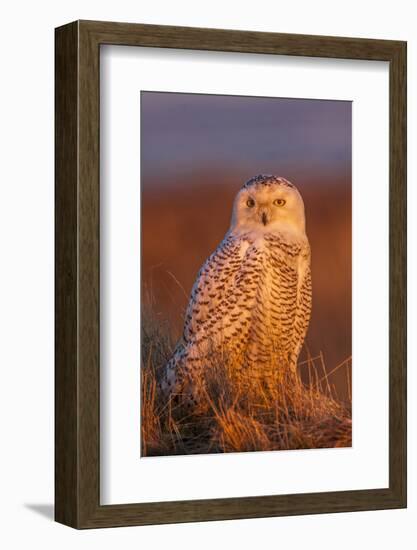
(77, 373)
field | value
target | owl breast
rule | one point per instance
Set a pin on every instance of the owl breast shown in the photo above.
(271, 304)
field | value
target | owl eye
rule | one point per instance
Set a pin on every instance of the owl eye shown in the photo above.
(250, 203)
(279, 202)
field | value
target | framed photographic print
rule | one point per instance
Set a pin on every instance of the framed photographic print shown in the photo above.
(230, 274)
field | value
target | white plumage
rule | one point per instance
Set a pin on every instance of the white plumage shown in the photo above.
(252, 296)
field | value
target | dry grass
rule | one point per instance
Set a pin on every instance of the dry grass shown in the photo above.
(297, 412)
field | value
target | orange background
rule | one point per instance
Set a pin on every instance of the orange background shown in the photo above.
(197, 151)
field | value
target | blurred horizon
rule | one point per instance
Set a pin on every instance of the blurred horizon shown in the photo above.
(182, 132)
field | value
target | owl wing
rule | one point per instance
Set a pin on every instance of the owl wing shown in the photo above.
(214, 312)
(218, 317)
(304, 302)
(214, 291)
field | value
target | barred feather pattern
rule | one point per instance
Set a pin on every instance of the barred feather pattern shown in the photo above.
(252, 300)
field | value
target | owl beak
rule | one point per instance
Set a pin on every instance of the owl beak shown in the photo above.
(264, 218)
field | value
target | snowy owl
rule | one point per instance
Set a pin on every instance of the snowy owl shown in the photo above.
(252, 297)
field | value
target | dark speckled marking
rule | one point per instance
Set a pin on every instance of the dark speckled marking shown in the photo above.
(267, 180)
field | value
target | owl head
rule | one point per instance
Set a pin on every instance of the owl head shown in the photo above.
(268, 204)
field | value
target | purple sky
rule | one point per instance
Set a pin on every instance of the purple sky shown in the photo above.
(185, 132)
